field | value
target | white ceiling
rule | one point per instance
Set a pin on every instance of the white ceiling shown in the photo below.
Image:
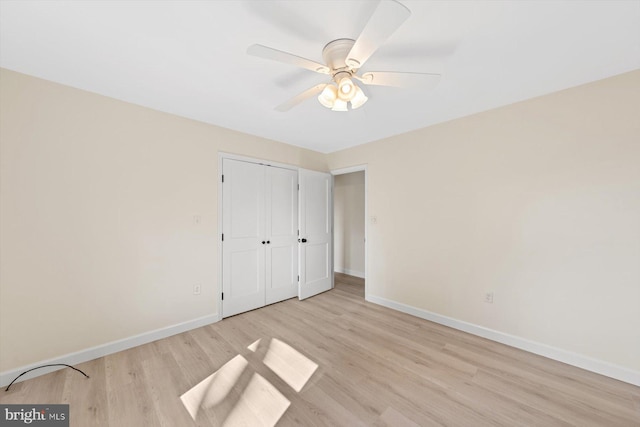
(189, 57)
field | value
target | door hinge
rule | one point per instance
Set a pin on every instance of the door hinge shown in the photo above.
(298, 187)
(222, 178)
(298, 278)
(223, 296)
(223, 237)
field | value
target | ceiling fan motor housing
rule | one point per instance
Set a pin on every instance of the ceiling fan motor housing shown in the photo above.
(334, 55)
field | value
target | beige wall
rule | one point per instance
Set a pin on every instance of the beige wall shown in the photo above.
(537, 201)
(348, 223)
(98, 198)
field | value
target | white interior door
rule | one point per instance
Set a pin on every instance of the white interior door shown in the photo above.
(316, 249)
(281, 221)
(243, 254)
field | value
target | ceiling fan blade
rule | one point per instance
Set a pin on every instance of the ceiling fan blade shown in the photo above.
(288, 58)
(386, 19)
(286, 106)
(398, 79)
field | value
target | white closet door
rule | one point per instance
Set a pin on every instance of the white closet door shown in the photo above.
(243, 254)
(281, 233)
(316, 254)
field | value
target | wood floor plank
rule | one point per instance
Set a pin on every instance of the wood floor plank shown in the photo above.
(555, 389)
(375, 367)
(89, 397)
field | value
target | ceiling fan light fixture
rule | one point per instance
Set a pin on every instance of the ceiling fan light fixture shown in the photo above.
(340, 105)
(343, 59)
(328, 96)
(359, 99)
(346, 89)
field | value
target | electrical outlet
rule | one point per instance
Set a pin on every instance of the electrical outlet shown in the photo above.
(488, 297)
(196, 289)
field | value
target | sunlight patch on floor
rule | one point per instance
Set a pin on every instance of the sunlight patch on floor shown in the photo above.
(241, 396)
(261, 404)
(215, 388)
(289, 364)
(254, 346)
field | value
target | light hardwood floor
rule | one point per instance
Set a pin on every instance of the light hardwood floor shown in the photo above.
(375, 367)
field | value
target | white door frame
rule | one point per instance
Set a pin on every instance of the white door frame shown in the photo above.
(351, 169)
(341, 171)
(221, 157)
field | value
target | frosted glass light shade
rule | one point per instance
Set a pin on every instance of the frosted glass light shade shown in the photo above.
(328, 96)
(346, 89)
(337, 97)
(358, 99)
(339, 105)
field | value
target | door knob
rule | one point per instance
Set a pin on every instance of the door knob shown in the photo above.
(304, 240)
(263, 242)
(268, 242)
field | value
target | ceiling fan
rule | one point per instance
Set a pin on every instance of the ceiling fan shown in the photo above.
(344, 58)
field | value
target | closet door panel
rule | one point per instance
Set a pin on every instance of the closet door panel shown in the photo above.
(244, 268)
(282, 234)
(316, 269)
(243, 254)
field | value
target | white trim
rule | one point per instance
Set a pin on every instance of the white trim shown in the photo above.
(354, 273)
(105, 349)
(230, 156)
(594, 365)
(219, 302)
(350, 169)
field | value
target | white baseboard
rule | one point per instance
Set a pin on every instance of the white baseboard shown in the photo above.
(354, 273)
(104, 349)
(594, 365)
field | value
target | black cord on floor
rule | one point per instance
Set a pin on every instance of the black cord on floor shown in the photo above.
(45, 366)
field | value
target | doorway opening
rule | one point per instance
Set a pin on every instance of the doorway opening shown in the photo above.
(350, 229)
